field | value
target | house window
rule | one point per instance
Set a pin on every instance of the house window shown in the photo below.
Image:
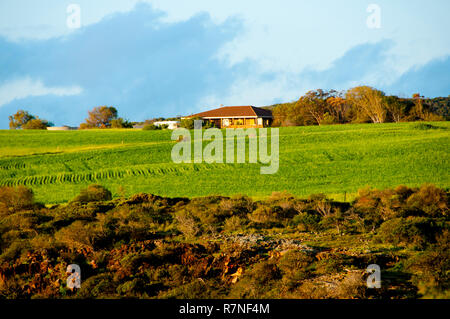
(226, 122)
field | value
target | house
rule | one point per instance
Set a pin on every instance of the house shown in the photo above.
(171, 125)
(236, 117)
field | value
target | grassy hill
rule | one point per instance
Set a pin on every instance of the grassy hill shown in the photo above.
(334, 160)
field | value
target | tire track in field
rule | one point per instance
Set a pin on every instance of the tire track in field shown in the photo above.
(115, 173)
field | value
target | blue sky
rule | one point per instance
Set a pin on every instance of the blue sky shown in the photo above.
(167, 57)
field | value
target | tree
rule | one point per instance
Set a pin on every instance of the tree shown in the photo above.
(120, 123)
(20, 118)
(24, 120)
(315, 104)
(396, 108)
(418, 111)
(287, 114)
(189, 123)
(368, 102)
(100, 117)
(339, 108)
(36, 124)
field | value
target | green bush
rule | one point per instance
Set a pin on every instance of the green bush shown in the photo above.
(120, 123)
(151, 127)
(307, 222)
(416, 231)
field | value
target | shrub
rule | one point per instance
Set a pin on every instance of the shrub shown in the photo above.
(234, 223)
(432, 268)
(417, 231)
(423, 126)
(93, 193)
(15, 198)
(187, 224)
(197, 289)
(77, 235)
(239, 206)
(206, 210)
(257, 282)
(151, 127)
(97, 286)
(120, 123)
(321, 204)
(333, 263)
(430, 200)
(352, 287)
(263, 215)
(295, 267)
(328, 119)
(284, 204)
(307, 222)
(15, 250)
(376, 206)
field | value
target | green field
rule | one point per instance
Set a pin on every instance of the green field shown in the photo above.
(329, 159)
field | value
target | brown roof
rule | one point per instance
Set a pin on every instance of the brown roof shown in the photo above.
(235, 111)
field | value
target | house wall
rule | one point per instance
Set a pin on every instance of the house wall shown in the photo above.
(244, 123)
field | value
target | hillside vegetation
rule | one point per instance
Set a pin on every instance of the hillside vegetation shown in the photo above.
(147, 246)
(336, 160)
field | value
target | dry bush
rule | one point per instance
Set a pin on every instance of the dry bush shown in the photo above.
(234, 223)
(187, 224)
(310, 290)
(353, 286)
(321, 204)
(15, 198)
(77, 235)
(294, 266)
(257, 282)
(431, 200)
(93, 193)
(238, 205)
(431, 268)
(263, 215)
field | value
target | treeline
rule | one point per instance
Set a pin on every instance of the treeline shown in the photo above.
(26, 121)
(361, 104)
(100, 117)
(147, 246)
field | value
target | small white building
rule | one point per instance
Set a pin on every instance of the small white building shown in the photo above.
(171, 125)
(61, 128)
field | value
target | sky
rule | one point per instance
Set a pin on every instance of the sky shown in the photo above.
(163, 58)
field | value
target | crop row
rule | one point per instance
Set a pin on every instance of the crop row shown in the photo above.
(115, 173)
(12, 166)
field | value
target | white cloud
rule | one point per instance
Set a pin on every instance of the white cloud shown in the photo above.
(26, 87)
